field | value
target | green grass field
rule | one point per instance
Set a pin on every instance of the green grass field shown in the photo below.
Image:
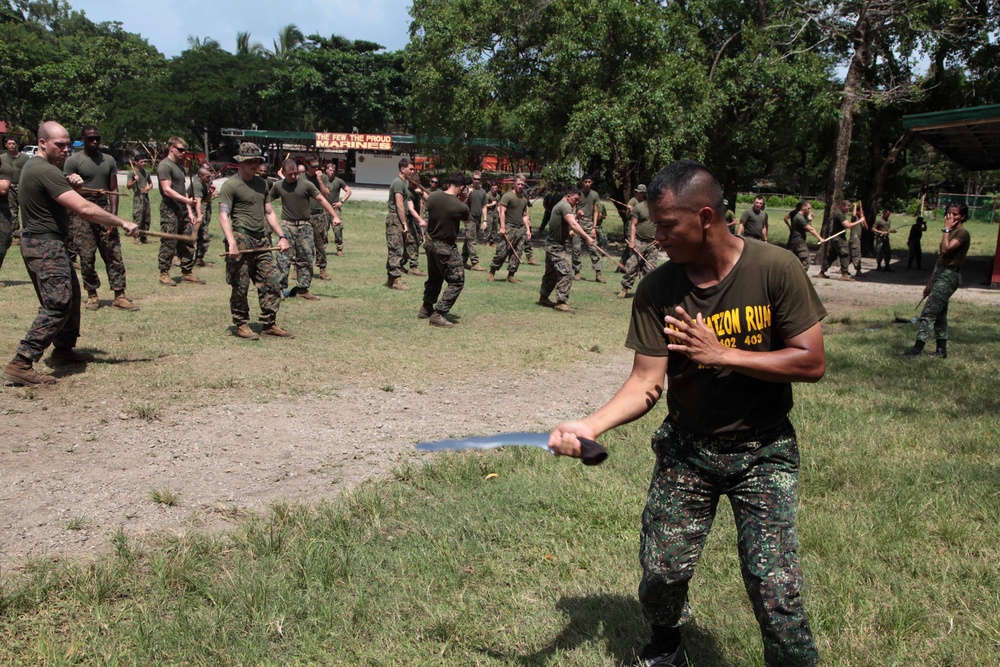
(536, 566)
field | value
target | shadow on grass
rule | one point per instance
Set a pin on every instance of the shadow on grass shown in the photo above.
(65, 370)
(16, 283)
(617, 622)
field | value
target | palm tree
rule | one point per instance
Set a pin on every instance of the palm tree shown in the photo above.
(197, 43)
(289, 39)
(245, 48)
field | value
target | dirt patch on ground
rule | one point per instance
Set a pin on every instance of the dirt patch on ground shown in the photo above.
(67, 483)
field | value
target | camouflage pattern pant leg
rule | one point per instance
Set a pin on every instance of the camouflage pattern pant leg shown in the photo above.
(140, 210)
(88, 239)
(934, 316)
(915, 254)
(529, 253)
(595, 254)
(58, 290)
(883, 250)
(509, 250)
(854, 249)
(395, 245)
(800, 250)
(301, 236)
(469, 253)
(639, 263)
(6, 232)
(602, 238)
(836, 249)
(174, 222)
(201, 246)
(411, 249)
(320, 223)
(338, 233)
(760, 477)
(558, 274)
(15, 207)
(444, 265)
(257, 269)
(492, 226)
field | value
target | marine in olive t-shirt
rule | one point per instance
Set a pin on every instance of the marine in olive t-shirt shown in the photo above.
(837, 220)
(954, 258)
(515, 205)
(445, 213)
(16, 164)
(245, 200)
(296, 198)
(334, 185)
(588, 202)
(199, 190)
(398, 187)
(477, 199)
(765, 300)
(558, 227)
(645, 230)
(798, 231)
(41, 183)
(753, 223)
(96, 172)
(168, 170)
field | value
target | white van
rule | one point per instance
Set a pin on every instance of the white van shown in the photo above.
(30, 150)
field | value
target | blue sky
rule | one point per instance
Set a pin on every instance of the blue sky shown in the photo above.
(166, 25)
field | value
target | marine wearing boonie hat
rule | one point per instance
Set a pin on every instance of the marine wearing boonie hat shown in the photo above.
(249, 151)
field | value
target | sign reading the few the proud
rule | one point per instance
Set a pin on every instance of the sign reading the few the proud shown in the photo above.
(342, 142)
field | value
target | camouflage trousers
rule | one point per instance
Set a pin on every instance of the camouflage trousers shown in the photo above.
(320, 223)
(58, 290)
(175, 220)
(6, 232)
(558, 276)
(640, 262)
(87, 239)
(261, 271)
(934, 316)
(141, 213)
(469, 254)
(836, 248)
(883, 251)
(510, 250)
(801, 250)
(300, 234)
(854, 250)
(395, 245)
(915, 254)
(492, 226)
(444, 265)
(338, 231)
(595, 254)
(15, 207)
(759, 474)
(411, 247)
(201, 245)
(602, 238)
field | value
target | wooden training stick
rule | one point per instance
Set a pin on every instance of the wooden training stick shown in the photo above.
(190, 240)
(616, 202)
(116, 193)
(603, 252)
(843, 231)
(254, 251)
(511, 246)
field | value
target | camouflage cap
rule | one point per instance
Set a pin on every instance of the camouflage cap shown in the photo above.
(249, 151)
(640, 188)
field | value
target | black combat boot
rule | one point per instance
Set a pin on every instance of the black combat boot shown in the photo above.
(918, 348)
(942, 349)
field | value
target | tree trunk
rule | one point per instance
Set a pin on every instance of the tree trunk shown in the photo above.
(886, 168)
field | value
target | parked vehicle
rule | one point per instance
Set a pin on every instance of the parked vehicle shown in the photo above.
(30, 150)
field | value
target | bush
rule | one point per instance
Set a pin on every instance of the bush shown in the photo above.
(774, 201)
(818, 205)
(744, 198)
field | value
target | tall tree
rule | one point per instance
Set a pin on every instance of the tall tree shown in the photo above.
(245, 48)
(289, 39)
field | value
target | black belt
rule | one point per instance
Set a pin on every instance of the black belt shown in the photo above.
(43, 236)
(297, 221)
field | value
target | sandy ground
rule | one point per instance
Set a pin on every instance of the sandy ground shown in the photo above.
(57, 470)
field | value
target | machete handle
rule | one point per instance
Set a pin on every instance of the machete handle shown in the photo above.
(592, 453)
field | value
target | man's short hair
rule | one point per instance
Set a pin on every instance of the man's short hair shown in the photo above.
(404, 162)
(312, 160)
(760, 197)
(88, 128)
(173, 141)
(289, 165)
(456, 178)
(204, 171)
(571, 190)
(521, 178)
(477, 174)
(586, 177)
(680, 178)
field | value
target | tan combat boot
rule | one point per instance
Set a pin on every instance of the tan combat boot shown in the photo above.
(19, 372)
(512, 279)
(600, 278)
(491, 277)
(122, 302)
(244, 331)
(563, 307)
(477, 267)
(191, 278)
(93, 302)
(165, 279)
(438, 320)
(397, 283)
(306, 294)
(323, 275)
(276, 331)
(623, 294)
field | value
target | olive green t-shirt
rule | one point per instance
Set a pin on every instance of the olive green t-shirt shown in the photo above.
(296, 198)
(41, 183)
(96, 172)
(16, 163)
(837, 219)
(514, 216)
(559, 228)
(6, 174)
(632, 202)
(881, 224)
(477, 199)
(445, 213)
(492, 199)
(398, 187)
(199, 190)
(588, 202)
(645, 229)
(168, 170)
(245, 200)
(334, 185)
(766, 299)
(955, 258)
(753, 223)
(798, 231)
(141, 178)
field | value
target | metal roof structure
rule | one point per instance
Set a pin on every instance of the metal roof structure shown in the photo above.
(970, 137)
(502, 145)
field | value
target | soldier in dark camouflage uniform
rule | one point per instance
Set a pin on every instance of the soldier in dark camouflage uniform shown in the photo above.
(492, 215)
(140, 183)
(6, 218)
(46, 195)
(445, 213)
(202, 192)
(176, 215)
(416, 226)
(733, 354)
(558, 266)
